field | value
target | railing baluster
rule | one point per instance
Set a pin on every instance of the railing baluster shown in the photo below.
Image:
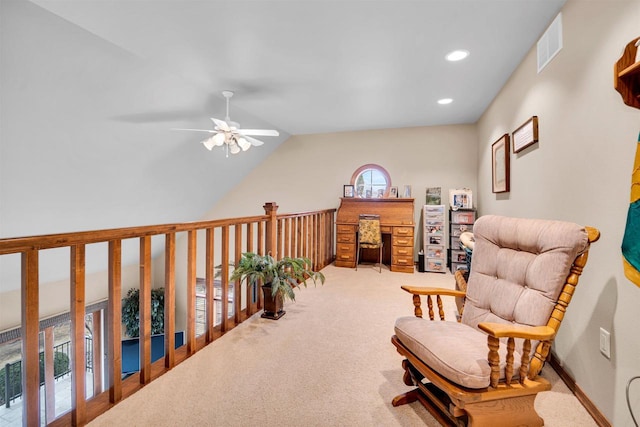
(97, 352)
(114, 315)
(209, 279)
(30, 341)
(145, 310)
(260, 247)
(49, 375)
(287, 237)
(298, 236)
(191, 291)
(251, 300)
(322, 235)
(224, 286)
(237, 287)
(169, 300)
(78, 400)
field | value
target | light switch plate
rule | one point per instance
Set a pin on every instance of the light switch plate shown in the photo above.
(605, 343)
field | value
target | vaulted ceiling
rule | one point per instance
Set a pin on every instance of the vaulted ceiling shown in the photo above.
(316, 66)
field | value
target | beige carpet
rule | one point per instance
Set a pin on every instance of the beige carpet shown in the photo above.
(327, 362)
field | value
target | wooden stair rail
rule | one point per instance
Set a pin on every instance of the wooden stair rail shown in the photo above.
(308, 234)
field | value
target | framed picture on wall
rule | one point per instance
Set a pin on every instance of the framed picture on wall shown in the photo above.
(500, 165)
(348, 191)
(525, 135)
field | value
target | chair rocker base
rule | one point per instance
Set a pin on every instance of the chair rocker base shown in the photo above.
(452, 405)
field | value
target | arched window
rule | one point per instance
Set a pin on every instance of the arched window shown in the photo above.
(371, 181)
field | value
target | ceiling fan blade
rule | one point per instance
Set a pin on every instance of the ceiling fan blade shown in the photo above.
(253, 141)
(221, 124)
(258, 132)
(196, 130)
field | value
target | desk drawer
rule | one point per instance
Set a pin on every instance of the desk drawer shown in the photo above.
(403, 251)
(403, 231)
(340, 228)
(402, 260)
(386, 229)
(402, 241)
(345, 251)
(346, 238)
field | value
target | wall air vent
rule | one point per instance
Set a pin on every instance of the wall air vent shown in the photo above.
(550, 43)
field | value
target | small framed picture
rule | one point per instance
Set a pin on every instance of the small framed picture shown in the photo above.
(407, 192)
(500, 165)
(393, 192)
(348, 191)
(525, 135)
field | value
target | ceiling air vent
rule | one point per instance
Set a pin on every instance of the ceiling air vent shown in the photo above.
(550, 43)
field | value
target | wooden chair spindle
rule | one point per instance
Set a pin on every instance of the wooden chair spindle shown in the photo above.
(416, 303)
(524, 362)
(430, 304)
(494, 360)
(508, 370)
(440, 309)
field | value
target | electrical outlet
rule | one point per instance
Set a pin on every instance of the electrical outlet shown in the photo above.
(605, 343)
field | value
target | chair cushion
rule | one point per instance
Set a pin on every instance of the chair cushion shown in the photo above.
(518, 269)
(369, 232)
(370, 246)
(456, 351)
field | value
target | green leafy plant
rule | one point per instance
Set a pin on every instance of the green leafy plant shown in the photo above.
(284, 275)
(131, 312)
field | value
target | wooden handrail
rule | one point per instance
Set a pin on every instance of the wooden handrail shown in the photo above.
(307, 234)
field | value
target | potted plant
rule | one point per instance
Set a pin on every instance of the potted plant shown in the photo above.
(277, 278)
(131, 312)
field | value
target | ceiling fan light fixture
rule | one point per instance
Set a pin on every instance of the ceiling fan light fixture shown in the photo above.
(233, 148)
(457, 55)
(445, 101)
(227, 133)
(244, 144)
(209, 143)
(218, 139)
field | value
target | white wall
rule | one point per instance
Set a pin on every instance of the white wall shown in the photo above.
(307, 172)
(579, 171)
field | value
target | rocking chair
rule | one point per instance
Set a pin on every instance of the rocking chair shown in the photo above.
(483, 370)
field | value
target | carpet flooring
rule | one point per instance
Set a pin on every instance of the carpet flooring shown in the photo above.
(327, 362)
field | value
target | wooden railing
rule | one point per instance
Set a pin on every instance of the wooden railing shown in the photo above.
(308, 234)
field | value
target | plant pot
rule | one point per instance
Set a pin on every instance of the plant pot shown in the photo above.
(272, 305)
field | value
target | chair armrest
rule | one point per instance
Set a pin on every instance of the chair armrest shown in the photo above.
(500, 330)
(528, 333)
(418, 290)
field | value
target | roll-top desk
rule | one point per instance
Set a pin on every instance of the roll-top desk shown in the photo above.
(396, 221)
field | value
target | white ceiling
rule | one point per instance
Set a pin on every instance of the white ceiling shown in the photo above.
(321, 66)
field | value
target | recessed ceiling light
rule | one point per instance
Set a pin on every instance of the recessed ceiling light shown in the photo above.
(457, 55)
(445, 101)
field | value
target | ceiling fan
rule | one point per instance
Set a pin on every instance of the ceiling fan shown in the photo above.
(229, 134)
